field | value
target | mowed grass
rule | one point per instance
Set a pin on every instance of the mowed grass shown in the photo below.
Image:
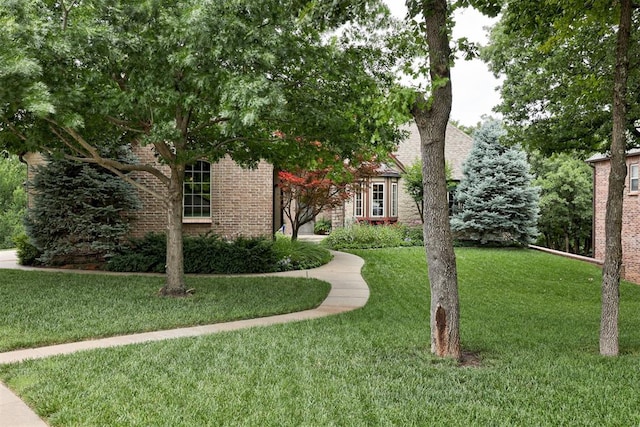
(532, 318)
(41, 308)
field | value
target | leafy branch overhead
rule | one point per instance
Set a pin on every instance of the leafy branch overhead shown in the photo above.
(193, 80)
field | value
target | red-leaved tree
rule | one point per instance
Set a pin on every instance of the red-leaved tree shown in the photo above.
(307, 192)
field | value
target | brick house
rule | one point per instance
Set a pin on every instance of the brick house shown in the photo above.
(383, 199)
(630, 212)
(221, 198)
(227, 200)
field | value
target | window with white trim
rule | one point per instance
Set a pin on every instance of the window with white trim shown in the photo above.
(197, 190)
(633, 177)
(394, 199)
(377, 199)
(357, 206)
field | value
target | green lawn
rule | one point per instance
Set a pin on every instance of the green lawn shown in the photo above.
(40, 308)
(532, 317)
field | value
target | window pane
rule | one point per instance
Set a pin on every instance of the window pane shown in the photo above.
(197, 190)
(394, 200)
(377, 200)
(358, 203)
(633, 177)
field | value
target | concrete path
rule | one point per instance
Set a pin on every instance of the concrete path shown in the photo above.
(348, 292)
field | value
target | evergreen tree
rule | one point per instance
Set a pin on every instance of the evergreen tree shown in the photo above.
(499, 205)
(80, 212)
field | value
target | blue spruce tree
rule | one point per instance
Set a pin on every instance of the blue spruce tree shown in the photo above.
(499, 206)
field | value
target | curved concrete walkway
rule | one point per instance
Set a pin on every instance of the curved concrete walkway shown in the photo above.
(348, 292)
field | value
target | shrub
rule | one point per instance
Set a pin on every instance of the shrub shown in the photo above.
(80, 212)
(27, 253)
(365, 236)
(144, 255)
(322, 226)
(299, 255)
(13, 199)
(412, 236)
(209, 254)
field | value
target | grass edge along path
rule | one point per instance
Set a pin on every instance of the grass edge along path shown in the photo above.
(532, 317)
(348, 292)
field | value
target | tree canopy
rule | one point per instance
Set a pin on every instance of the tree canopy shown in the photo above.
(558, 65)
(193, 80)
(566, 202)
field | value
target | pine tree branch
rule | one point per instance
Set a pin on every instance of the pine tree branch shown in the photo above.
(89, 154)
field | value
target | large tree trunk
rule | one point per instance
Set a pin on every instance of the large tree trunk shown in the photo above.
(613, 222)
(431, 118)
(175, 284)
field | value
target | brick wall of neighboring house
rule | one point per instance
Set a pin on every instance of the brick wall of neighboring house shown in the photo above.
(242, 200)
(33, 160)
(630, 215)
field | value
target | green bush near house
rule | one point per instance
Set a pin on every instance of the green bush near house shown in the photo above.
(299, 255)
(210, 254)
(27, 253)
(322, 226)
(365, 236)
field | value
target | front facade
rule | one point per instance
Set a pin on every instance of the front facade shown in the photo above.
(220, 198)
(224, 199)
(630, 212)
(383, 198)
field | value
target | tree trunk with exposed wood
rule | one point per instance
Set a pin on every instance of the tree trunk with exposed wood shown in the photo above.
(431, 116)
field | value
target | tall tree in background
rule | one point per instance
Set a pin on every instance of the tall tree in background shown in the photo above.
(193, 80)
(570, 85)
(566, 202)
(499, 204)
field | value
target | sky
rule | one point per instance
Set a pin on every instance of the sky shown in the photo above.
(474, 86)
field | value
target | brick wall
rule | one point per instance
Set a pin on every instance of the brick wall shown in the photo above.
(33, 161)
(242, 200)
(630, 215)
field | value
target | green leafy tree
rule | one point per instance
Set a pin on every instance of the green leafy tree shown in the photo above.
(412, 178)
(566, 203)
(13, 199)
(193, 80)
(570, 84)
(81, 213)
(499, 204)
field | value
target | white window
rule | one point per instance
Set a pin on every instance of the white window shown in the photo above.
(357, 207)
(377, 199)
(197, 190)
(633, 177)
(394, 199)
